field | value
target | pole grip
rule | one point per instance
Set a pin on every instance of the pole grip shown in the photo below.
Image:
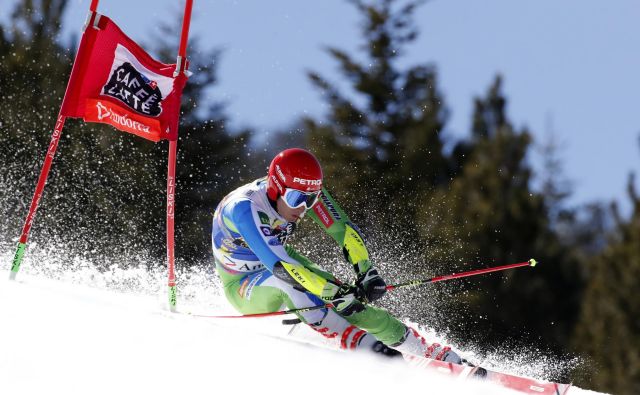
(17, 260)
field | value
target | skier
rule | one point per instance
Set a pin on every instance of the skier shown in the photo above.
(261, 273)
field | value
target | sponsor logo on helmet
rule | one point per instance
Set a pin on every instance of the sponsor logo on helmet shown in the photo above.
(303, 181)
(275, 180)
(280, 173)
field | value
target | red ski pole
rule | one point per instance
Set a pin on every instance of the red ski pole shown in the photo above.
(271, 314)
(531, 262)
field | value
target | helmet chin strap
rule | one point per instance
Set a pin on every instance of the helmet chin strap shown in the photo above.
(273, 203)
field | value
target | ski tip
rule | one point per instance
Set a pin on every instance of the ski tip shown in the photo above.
(532, 262)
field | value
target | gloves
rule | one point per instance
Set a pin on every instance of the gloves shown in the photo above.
(347, 300)
(350, 299)
(370, 285)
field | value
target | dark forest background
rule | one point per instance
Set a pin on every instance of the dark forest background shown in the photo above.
(430, 203)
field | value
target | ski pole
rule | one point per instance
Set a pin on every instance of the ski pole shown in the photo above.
(531, 262)
(271, 314)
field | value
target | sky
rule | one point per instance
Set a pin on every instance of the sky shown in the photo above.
(63, 336)
(570, 67)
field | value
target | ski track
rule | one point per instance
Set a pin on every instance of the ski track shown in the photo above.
(63, 337)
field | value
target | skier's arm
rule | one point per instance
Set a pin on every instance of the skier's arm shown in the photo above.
(272, 253)
(330, 216)
(336, 223)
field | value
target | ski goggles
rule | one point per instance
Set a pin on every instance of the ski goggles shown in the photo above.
(295, 198)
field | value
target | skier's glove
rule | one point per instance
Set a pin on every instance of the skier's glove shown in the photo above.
(370, 285)
(347, 300)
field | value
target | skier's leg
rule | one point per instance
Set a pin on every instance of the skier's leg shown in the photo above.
(393, 333)
(384, 331)
(333, 323)
(262, 292)
(349, 336)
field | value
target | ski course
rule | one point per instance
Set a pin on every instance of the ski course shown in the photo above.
(61, 337)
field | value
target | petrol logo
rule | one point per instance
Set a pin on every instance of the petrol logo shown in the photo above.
(325, 218)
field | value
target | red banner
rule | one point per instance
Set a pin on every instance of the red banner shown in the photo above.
(114, 81)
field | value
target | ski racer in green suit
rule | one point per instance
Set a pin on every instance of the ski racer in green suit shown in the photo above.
(261, 273)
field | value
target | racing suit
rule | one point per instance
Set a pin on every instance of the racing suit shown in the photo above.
(261, 273)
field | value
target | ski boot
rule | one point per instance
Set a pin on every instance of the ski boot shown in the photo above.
(414, 344)
(479, 372)
(382, 349)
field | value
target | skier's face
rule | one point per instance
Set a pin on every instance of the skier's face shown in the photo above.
(288, 213)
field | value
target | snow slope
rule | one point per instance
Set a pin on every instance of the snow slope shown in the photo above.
(62, 337)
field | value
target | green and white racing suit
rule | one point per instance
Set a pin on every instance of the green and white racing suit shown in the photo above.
(262, 274)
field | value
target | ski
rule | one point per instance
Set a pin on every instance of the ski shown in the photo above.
(524, 385)
(520, 384)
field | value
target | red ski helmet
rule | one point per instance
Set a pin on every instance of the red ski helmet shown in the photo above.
(293, 168)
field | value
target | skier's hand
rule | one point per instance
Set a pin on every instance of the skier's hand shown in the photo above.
(347, 300)
(370, 285)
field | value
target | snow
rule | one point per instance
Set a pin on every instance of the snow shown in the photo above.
(61, 336)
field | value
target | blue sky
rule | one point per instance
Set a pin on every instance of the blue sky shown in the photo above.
(570, 67)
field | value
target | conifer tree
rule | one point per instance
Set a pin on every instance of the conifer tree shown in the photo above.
(490, 214)
(608, 332)
(384, 137)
